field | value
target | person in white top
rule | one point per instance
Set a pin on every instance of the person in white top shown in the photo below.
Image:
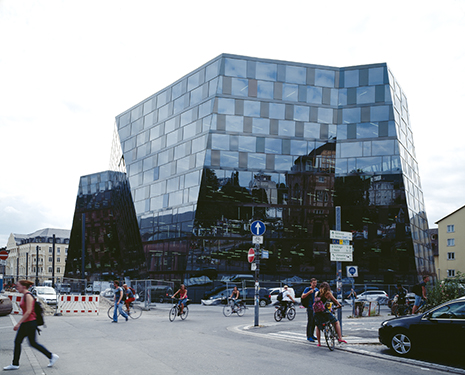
(287, 297)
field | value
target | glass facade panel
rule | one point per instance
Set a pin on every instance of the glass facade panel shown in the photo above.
(324, 78)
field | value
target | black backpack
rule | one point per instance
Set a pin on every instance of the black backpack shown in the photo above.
(39, 311)
(417, 290)
(280, 296)
(305, 301)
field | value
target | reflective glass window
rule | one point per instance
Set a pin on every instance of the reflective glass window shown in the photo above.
(129, 144)
(193, 81)
(296, 74)
(286, 128)
(384, 147)
(298, 147)
(379, 113)
(240, 87)
(170, 125)
(155, 132)
(137, 126)
(386, 163)
(366, 148)
(199, 144)
(163, 113)
(260, 126)
(325, 115)
(197, 95)
(365, 94)
(178, 89)
(351, 149)
(172, 138)
(257, 161)
(342, 97)
(212, 70)
(324, 78)
(266, 71)
(391, 129)
(235, 68)
(229, 159)
(277, 111)
(172, 184)
(182, 165)
(273, 146)
(332, 130)
(226, 106)
(234, 124)
(143, 150)
(311, 130)
(301, 113)
(251, 108)
(191, 179)
(265, 90)
(175, 198)
(220, 142)
(369, 165)
(186, 118)
(189, 130)
(350, 115)
(283, 162)
(247, 144)
(136, 113)
(124, 132)
(156, 203)
(314, 95)
(162, 99)
(212, 87)
(290, 92)
(351, 78)
(367, 130)
(375, 76)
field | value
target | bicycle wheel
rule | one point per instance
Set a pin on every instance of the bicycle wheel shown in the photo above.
(173, 313)
(277, 315)
(329, 336)
(227, 310)
(291, 313)
(185, 312)
(240, 310)
(135, 312)
(111, 312)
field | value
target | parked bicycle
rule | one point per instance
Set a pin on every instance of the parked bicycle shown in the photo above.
(176, 309)
(134, 311)
(231, 308)
(290, 312)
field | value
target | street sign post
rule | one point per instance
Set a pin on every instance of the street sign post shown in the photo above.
(346, 249)
(251, 255)
(3, 255)
(341, 257)
(339, 235)
(257, 240)
(265, 254)
(258, 228)
(352, 271)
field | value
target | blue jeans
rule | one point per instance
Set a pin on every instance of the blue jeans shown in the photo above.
(118, 307)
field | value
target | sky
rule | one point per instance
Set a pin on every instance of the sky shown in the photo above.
(68, 68)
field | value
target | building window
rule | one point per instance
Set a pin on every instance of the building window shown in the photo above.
(50, 259)
(58, 269)
(49, 269)
(451, 242)
(58, 250)
(50, 250)
(450, 256)
(58, 260)
(451, 228)
(450, 273)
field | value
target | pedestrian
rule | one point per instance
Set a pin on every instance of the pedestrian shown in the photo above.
(118, 305)
(420, 292)
(307, 299)
(27, 327)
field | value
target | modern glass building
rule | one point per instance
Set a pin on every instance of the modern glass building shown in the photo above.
(242, 138)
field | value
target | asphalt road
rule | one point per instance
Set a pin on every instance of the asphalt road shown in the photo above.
(205, 343)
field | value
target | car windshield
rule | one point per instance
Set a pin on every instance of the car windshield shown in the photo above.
(450, 311)
(46, 290)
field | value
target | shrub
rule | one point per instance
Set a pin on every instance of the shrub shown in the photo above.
(446, 290)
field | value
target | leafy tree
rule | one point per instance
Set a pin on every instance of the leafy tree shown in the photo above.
(446, 290)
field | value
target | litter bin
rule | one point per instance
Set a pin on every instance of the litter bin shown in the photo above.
(370, 308)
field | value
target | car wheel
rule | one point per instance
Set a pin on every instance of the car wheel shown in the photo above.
(160, 300)
(262, 303)
(401, 343)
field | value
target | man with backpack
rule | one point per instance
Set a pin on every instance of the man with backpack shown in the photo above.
(119, 293)
(420, 292)
(287, 297)
(307, 300)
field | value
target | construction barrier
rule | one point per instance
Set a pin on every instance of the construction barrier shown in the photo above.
(78, 304)
(15, 301)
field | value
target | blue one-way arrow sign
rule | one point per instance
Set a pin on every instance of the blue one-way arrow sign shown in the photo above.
(257, 228)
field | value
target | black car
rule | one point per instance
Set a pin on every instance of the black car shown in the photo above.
(441, 328)
(263, 293)
(157, 294)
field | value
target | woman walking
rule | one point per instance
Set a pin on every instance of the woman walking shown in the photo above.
(321, 317)
(27, 327)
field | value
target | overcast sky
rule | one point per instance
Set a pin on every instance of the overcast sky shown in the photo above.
(67, 68)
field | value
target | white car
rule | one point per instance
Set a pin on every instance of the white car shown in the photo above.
(374, 295)
(47, 293)
(275, 291)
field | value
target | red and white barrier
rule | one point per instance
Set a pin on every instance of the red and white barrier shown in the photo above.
(78, 304)
(15, 301)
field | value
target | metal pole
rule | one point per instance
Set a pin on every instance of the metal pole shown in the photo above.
(27, 265)
(53, 261)
(339, 269)
(257, 284)
(37, 265)
(83, 252)
(17, 267)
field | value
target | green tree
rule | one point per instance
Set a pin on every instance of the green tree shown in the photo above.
(446, 290)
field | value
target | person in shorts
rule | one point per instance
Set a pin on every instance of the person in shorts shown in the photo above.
(421, 295)
(182, 298)
(130, 297)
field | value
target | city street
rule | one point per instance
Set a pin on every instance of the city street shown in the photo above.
(205, 343)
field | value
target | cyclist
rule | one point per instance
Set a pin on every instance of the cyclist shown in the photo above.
(130, 297)
(287, 298)
(401, 299)
(325, 295)
(420, 292)
(182, 298)
(235, 297)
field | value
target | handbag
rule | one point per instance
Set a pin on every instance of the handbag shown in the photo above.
(318, 305)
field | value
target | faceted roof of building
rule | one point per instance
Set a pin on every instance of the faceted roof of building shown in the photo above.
(450, 214)
(47, 233)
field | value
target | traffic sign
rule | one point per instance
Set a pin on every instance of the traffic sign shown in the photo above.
(341, 257)
(352, 271)
(3, 255)
(347, 249)
(257, 228)
(251, 255)
(253, 266)
(338, 235)
(265, 254)
(257, 239)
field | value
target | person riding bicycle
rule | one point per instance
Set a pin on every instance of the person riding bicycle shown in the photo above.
(235, 295)
(287, 298)
(182, 298)
(401, 298)
(322, 317)
(130, 297)
(420, 293)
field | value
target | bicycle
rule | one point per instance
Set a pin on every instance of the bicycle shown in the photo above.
(424, 306)
(330, 333)
(289, 313)
(175, 309)
(134, 312)
(231, 308)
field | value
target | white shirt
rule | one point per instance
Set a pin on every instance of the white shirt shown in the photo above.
(286, 294)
